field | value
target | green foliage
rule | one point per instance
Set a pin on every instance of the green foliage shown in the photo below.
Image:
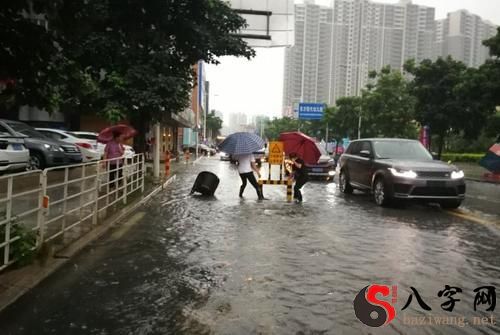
(131, 59)
(276, 126)
(458, 143)
(443, 101)
(388, 106)
(461, 158)
(214, 124)
(494, 44)
(21, 250)
(343, 118)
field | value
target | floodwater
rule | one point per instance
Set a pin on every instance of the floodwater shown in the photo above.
(190, 265)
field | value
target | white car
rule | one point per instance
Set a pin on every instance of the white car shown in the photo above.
(92, 137)
(13, 154)
(87, 148)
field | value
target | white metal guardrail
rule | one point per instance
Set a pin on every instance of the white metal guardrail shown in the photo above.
(60, 204)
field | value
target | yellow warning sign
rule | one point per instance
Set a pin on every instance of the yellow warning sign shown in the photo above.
(275, 153)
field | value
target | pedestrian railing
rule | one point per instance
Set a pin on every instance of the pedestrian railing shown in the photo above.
(60, 204)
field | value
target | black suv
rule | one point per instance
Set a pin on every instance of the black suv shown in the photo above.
(399, 169)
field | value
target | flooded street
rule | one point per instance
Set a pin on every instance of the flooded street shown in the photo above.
(190, 265)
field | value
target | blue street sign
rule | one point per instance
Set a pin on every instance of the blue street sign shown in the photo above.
(311, 111)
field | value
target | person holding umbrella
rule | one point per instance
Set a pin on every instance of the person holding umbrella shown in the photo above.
(241, 146)
(113, 151)
(246, 168)
(299, 175)
(114, 137)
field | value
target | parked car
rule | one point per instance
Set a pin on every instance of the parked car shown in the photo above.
(87, 147)
(92, 137)
(399, 169)
(44, 151)
(324, 168)
(203, 149)
(13, 154)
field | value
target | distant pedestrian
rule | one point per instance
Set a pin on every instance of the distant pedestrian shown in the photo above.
(300, 176)
(246, 168)
(113, 152)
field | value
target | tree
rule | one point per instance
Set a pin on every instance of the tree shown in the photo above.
(30, 58)
(276, 126)
(436, 87)
(345, 117)
(122, 58)
(388, 107)
(490, 85)
(213, 124)
(142, 53)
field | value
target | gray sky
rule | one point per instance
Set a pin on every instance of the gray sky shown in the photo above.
(255, 87)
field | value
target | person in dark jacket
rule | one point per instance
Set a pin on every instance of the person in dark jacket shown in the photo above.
(299, 175)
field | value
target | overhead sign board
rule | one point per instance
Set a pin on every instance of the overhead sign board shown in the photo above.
(276, 150)
(311, 111)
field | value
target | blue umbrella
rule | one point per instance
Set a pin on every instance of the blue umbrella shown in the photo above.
(241, 144)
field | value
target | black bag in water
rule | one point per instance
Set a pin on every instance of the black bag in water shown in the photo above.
(206, 183)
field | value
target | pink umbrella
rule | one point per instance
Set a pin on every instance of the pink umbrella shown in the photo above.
(106, 135)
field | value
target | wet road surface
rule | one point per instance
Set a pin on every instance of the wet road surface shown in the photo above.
(189, 265)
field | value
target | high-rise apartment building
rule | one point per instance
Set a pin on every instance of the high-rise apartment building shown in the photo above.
(306, 77)
(460, 35)
(335, 48)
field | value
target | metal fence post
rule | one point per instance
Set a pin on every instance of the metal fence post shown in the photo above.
(41, 210)
(65, 202)
(142, 172)
(96, 194)
(125, 181)
(8, 223)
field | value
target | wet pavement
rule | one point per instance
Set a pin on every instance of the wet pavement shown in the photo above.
(190, 265)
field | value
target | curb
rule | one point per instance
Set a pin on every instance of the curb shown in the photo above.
(477, 180)
(17, 282)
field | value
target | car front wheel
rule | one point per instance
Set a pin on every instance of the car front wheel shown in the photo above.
(380, 193)
(35, 162)
(450, 204)
(344, 185)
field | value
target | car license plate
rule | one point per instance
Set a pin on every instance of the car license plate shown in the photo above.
(317, 170)
(436, 183)
(17, 146)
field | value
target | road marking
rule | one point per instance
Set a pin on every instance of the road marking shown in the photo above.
(470, 217)
(125, 227)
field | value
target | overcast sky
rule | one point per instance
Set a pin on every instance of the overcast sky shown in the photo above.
(255, 87)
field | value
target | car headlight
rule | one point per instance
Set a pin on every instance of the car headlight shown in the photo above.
(457, 174)
(403, 173)
(51, 147)
(331, 173)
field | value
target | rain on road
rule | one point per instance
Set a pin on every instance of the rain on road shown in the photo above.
(189, 265)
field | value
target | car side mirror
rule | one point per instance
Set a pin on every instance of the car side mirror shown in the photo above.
(435, 156)
(365, 153)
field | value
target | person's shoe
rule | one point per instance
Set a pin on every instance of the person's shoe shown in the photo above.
(241, 193)
(298, 201)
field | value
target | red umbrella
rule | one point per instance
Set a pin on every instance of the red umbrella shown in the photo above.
(106, 135)
(304, 146)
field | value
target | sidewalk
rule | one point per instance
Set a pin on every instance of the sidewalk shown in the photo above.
(483, 197)
(472, 171)
(15, 282)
